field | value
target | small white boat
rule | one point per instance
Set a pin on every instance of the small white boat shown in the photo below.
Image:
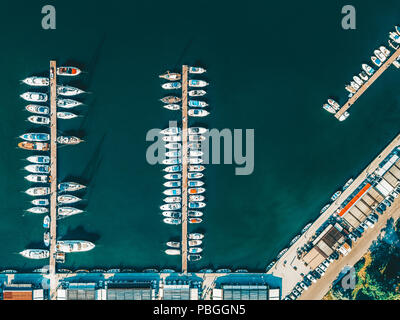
(195, 236)
(376, 61)
(368, 69)
(68, 91)
(198, 113)
(46, 222)
(172, 107)
(196, 198)
(173, 176)
(173, 244)
(38, 178)
(195, 160)
(39, 120)
(348, 183)
(39, 159)
(325, 208)
(280, 254)
(67, 199)
(171, 161)
(38, 210)
(172, 214)
(394, 36)
(329, 108)
(350, 89)
(172, 138)
(35, 137)
(336, 195)
(379, 55)
(40, 202)
(196, 70)
(68, 103)
(34, 96)
(334, 104)
(66, 115)
(70, 186)
(37, 168)
(68, 211)
(195, 214)
(172, 192)
(172, 184)
(195, 153)
(171, 99)
(170, 76)
(68, 140)
(36, 81)
(196, 93)
(385, 51)
(344, 116)
(194, 145)
(363, 76)
(38, 191)
(172, 221)
(35, 253)
(195, 250)
(173, 146)
(171, 131)
(196, 190)
(34, 108)
(173, 154)
(195, 183)
(196, 138)
(173, 252)
(68, 71)
(194, 257)
(196, 205)
(308, 226)
(358, 81)
(193, 243)
(173, 199)
(46, 239)
(195, 175)
(197, 104)
(171, 169)
(170, 206)
(196, 168)
(197, 130)
(197, 83)
(171, 85)
(392, 45)
(354, 85)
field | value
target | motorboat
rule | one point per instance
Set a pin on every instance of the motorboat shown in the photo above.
(68, 103)
(173, 252)
(67, 199)
(39, 146)
(334, 104)
(196, 205)
(35, 137)
(194, 257)
(38, 191)
(394, 36)
(70, 186)
(195, 183)
(46, 238)
(171, 85)
(173, 107)
(173, 176)
(358, 81)
(37, 168)
(376, 61)
(195, 175)
(173, 199)
(173, 154)
(173, 146)
(46, 222)
(171, 169)
(348, 183)
(68, 211)
(196, 198)
(379, 55)
(36, 81)
(39, 159)
(350, 89)
(34, 108)
(170, 206)
(197, 130)
(68, 91)
(171, 131)
(336, 195)
(195, 153)
(196, 138)
(363, 76)
(172, 214)
(172, 221)
(34, 96)
(39, 120)
(35, 253)
(196, 168)
(354, 85)
(68, 71)
(198, 113)
(196, 93)
(196, 236)
(66, 115)
(194, 145)
(197, 83)
(172, 138)
(194, 243)
(40, 202)
(197, 104)
(195, 250)
(195, 160)
(38, 178)
(196, 70)
(172, 184)
(368, 69)
(38, 210)
(68, 140)
(344, 116)
(171, 99)
(173, 244)
(170, 76)
(68, 246)
(392, 45)
(329, 108)
(385, 51)
(281, 253)
(172, 192)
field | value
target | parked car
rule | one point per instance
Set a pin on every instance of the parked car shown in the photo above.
(364, 225)
(394, 194)
(320, 271)
(357, 233)
(296, 293)
(331, 259)
(360, 229)
(387, 202)
(298, 288)
(303, 285)
(373, 218)
(326, 263)
(311, 278)
(369, 223)
(352, 237)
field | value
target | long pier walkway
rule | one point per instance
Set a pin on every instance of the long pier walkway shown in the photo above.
(366, 85)
(184, 167)
(53, 172)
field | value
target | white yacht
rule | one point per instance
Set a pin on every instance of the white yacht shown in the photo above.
(68, 103)
(38, 178)
(197, 104)
(171, 131)
(171, 85)
(34, 108)
(39, 120)
(172, 184)
(39, 159)
(173, 176)
(172, 199)
(173, 146)
(38, 210)
(68, 211)
(38, 191)
(35, 253)
(172, 107)
(67, 199)
(196, 93)
(196, 70)
(172, 138)
(197, 83)
(197, 130)
(173, 252)
(68, 91)
(172, 192)
(170, 206)
(36, 81)
(172, 221)
(198, 113)
(74, 246)
(34, 96)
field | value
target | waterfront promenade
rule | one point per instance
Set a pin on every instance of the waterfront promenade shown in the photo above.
(184, 167)
(289, 267)
(369, 82)
(53, 173)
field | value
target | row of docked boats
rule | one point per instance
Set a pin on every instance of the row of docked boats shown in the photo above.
(39, 166)
(333, 107)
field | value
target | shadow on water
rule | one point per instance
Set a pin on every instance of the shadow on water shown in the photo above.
(80, 233)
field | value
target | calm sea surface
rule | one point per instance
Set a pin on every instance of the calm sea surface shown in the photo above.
(270, 66)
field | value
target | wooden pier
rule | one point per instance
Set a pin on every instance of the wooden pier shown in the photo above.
(366, 85)
(184, 168)
(53, 173)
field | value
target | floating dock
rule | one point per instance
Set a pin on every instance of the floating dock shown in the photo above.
(53, 174)
(184, 168)
(366, 85)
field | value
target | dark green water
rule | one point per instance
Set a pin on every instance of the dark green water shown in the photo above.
(270, 66)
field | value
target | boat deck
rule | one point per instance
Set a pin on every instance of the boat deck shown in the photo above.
(366, 85)
(184, 166)
(53, 172)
